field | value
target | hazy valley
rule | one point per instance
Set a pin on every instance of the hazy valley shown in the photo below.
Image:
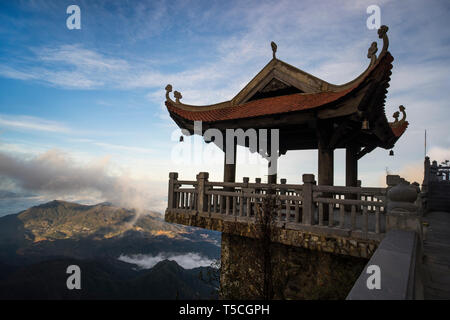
(122, 254)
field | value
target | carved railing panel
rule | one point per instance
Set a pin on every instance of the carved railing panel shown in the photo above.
(360, 211)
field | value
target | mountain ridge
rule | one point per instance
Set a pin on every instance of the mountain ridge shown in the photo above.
(37, 245)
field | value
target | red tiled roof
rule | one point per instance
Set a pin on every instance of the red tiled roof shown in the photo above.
(283, 104)
(255, 108)
(274, 105)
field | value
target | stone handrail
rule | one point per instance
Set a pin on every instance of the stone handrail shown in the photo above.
(299, 206)
(370, 202)
(396, 263)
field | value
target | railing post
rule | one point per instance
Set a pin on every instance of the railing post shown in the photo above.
(401, 210)
(258, 181)
(171, 199)
(245, 190)
(202, 198)
(308, 207)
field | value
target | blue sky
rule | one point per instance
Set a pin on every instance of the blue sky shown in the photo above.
(82, 112)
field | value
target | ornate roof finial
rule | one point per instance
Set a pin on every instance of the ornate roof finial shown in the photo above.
(397, 114)
(402, 110)
(168, 90)
(274, 49)
(382, 34)
(371, 53)
(382, 31)
(177, 96)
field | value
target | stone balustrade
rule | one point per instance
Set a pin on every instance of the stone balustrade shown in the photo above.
(348, 220)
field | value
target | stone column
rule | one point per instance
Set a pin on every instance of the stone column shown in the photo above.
(202, 198)
(308, 206)
(325, 153)
(326, 166)
(326, 161)
(351, 166)
(351, 171)
(271, 179)
(229, 169)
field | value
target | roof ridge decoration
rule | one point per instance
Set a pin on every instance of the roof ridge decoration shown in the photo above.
(274, 49)
(399, 126)
(396, 114)
(325, 86)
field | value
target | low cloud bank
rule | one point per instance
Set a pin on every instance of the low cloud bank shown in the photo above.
(187, 261)
(55, 175)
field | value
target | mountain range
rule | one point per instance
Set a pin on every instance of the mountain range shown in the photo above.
(37, 245)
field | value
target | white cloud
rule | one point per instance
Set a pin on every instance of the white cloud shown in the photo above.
(55, 174)
(80, 58)
(187, 261)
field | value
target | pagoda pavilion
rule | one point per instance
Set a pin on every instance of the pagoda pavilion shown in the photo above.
(309, 112)
(304, 233)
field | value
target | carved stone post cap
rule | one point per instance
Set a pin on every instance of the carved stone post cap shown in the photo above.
(246, 179)
(173, 175)
(308, 178)
(283, 181)
(203, 175)
(392, 180)
(258, 180)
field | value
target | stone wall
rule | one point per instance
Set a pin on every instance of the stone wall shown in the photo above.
(295, 273)
(310, 263)
(330, 240)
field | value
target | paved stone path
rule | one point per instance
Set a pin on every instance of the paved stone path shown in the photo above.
(437, 256)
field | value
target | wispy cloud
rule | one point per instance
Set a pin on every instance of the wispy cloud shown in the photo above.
(22, 122)
(67, 66)
(118, 147)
